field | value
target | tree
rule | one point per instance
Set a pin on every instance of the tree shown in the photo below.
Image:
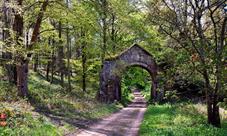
(199, 27)
(22, 57)
(7, 23)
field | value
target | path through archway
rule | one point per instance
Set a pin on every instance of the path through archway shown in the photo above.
(135, 79)
(110, 76)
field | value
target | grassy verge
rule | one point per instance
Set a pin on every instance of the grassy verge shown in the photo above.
(50, 110)
(178, 120)
(23, 121)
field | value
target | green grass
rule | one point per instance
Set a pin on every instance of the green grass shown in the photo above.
(50, 109)
(177, 120)
(23, 121)
(55, 100)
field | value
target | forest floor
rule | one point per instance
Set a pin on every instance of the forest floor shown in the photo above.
(126, 122)
(53, 111)
(50, 109)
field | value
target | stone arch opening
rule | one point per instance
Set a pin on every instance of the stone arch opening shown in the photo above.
(110, 75)
(141, 80)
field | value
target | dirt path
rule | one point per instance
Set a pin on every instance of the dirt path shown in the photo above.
(126, 122)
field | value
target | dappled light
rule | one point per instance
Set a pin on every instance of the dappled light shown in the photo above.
(113, 68)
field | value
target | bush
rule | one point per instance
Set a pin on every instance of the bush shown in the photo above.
(21, 121)
(171, 96)
(8, 92)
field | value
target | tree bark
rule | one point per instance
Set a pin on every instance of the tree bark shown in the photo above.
(113, 33)
(68, 60)
(84, 61)
(104, 29)
(22, 79)
(35, 33)
(52, 68)
(213, 116)
(53, 60)
(10, 68)
(22, 66)
(48, 71)
(60, 57)
(48, 64)
(36, 63)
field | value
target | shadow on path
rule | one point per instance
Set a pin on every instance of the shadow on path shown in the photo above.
(126, 122)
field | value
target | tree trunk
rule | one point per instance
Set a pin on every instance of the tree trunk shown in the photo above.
(84, 60)
(60, 57)
(104, 30)
(209, 108)
(113, 34)
(52, 68)
(53, 60)
(216, 121)
(48, 62)
(22, 79)
(219, 67)
(213, 111)
(10, 68)
(48, 71)
(213, 115)
(68, 61)
(36, 63)
(22, 67)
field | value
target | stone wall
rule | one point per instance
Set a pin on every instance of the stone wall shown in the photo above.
(110, 76)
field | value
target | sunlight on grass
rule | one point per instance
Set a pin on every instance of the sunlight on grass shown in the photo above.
(23, 121)
(50, 110)
(177, 120)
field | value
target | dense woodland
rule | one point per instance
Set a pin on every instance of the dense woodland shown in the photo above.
(52, 51)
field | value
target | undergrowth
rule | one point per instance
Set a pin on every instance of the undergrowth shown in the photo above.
(50, 109)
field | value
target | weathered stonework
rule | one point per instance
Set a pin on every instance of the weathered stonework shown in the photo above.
(110, 76)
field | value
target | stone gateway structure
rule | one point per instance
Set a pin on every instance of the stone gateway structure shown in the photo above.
(110, 76)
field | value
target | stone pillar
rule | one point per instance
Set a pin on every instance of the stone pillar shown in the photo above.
(111, 94)
(154, 83)
(118, 89)
(154, 90)
(102, 93)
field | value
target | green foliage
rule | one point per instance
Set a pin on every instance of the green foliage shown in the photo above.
(92, 72)
(50, 99)
(22, 121)
(177, 120)
(2, 71)
(224, 104)
(127, 23)
(8, 92)
(135, 78)
(126, 95)
(171, 96)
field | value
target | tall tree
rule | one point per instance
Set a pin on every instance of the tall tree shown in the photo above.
(68, 42)
(199, 27)
(22, 61)
(60, 57)
(7, 24)
(84, 59)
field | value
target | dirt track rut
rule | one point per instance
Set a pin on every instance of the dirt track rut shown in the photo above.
(126, 122)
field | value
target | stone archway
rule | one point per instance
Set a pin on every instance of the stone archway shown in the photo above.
(110, 76)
